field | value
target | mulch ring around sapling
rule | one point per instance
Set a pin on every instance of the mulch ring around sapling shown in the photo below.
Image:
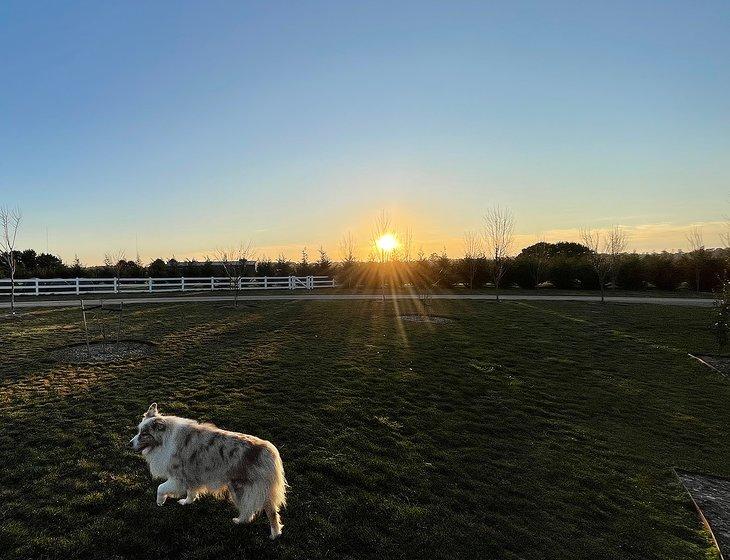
(102, 352)
(414, 318)
(711, 497)
(718, 363)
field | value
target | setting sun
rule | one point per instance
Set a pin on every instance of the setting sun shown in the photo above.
(387, 242)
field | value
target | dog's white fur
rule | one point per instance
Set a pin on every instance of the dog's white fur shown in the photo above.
(195, 458)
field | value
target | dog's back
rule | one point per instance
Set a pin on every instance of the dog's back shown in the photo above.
(249, 468)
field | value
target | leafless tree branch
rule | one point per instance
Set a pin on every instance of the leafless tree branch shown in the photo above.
(472, 252)
(695, 238)
(696, 242)
(601, 263)
(234, 260)
(617, 240)
(10, 219)
(499, 225)
(347, 248)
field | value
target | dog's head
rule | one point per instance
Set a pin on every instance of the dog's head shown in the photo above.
(150, 432)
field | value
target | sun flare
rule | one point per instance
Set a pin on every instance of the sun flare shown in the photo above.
(387, 242)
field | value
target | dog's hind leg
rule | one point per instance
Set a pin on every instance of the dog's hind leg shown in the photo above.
(272, 513)
(170, 487)
(250, 499)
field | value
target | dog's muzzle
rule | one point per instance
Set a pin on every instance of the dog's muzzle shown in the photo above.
(143, 444)
(135, 444)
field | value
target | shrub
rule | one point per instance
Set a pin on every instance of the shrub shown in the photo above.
(522, 272)
(662, 271)
(563, 273)
(631, 273)
(157, 269)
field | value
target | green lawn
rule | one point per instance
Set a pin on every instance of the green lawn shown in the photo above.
(520, 430)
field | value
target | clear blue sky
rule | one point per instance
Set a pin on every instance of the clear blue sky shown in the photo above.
(194, 125)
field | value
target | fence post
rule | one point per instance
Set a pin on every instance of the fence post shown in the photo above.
(149, 281)
(116, 287)
(37, 289)
(266, 282)
(182, 283)
(78, 291)
(291, 282)
(212, 283)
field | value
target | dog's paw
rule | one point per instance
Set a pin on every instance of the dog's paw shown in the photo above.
(275, 535)
(161, 500)
(237, 520)
(183, 501)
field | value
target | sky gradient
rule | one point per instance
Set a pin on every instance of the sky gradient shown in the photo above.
(180, 127)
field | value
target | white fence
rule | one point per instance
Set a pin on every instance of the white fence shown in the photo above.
(77, 286)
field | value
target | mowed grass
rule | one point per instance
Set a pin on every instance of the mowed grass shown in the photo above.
(520, 430)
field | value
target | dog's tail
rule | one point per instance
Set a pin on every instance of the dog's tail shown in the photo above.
(277, 482)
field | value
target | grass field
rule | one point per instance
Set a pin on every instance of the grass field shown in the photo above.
(520, 430)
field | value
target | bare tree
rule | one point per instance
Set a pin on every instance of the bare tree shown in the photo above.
(347, 248)
(10, 219)
(696, 241)
(422, 280)
(725, 235)
(383, 252)
(404, 252)
(695, 238)
(616, 242)
(472, 252)
(381, 228)
(601, 263)
(499, 227)
(234, 260)
(115, 261)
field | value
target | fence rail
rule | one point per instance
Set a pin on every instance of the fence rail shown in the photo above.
(77, 286)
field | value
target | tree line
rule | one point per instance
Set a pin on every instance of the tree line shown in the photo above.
(564, 265)
(599, 262)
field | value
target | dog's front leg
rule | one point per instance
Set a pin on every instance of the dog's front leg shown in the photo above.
(168, 488)
(189, 499)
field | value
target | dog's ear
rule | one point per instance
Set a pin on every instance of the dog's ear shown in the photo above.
(158, 424)
(151, 411)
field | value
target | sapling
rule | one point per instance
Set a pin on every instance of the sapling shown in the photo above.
(499, 226)
(10, 219)
(234, 261)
